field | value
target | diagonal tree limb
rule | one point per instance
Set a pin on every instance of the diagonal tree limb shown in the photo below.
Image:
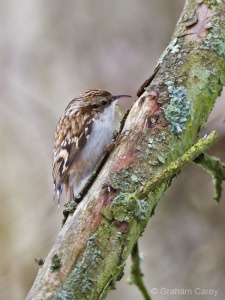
(93, 245)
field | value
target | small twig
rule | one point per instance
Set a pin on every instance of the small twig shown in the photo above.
(181, 162)
(216, 169)
(136, 274)
(217, 183)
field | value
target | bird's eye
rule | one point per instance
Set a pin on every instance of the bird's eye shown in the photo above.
(104, 102)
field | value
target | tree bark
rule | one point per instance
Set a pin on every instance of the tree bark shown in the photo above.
(93, 245)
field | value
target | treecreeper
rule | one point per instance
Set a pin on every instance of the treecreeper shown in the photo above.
(81, 135)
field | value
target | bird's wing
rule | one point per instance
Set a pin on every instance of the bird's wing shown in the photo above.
(70, 138)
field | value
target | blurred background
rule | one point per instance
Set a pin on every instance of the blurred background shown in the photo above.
(50, 52)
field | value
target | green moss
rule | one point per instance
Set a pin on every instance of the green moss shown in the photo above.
(70, 208)
(178, 111)
(125, 207)
(39, 261)
(111, 284)
(55, 263)
(211, 2)
(203, 86)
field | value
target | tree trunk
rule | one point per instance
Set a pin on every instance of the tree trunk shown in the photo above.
(93, 245)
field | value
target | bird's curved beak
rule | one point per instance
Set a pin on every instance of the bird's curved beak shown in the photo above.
(121, 96)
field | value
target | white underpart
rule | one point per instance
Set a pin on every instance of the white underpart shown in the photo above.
(100, 136)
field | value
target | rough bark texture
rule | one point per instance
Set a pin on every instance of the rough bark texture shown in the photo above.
(93, 245)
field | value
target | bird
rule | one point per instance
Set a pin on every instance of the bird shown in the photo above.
(81, 135)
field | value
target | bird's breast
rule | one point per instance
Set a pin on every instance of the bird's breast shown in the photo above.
(100, 136)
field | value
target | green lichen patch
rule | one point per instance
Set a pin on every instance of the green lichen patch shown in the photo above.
(129, 182)
(214, 42)
(121, 184)
(161, 159)
(65, 295)
(173, 47)
(215, 39)
(178, 111)
(125, 207)
(151, 143)
(161, 136)
(143, 212)
(134, 178)
(85, 274)
(96, 252)
(55, 263)
(82, 274)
